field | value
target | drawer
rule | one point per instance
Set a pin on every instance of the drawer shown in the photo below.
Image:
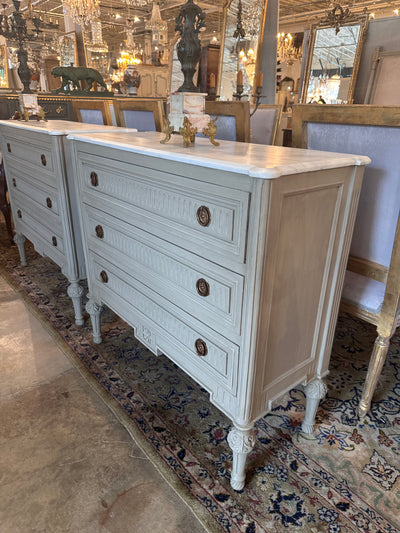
(41, 213)
(51, 240)
(208, 357)
(46, 197)
(34, 175)
(208, 219)
(35, 153)
(210, 293)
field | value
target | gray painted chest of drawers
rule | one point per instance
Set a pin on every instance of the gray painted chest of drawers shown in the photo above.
(43, 200)
(229, 260)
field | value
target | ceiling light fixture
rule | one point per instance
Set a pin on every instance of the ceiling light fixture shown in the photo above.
(82, 11)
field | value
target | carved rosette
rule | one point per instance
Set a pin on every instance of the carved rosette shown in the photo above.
(75, 290)
(241, 441)
(316, 390)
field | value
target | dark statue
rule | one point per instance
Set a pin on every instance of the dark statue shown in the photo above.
(19, 32)
(188, 23)
(72, 76)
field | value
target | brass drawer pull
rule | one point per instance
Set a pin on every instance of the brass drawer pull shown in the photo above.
(203, 288)
(203, 216)
(54, 241)
(94, 180)
(104, 276)
(43, 158)
(201, 347)
(19, 214)
(99, 231)
(9, 147)
(14, 182)
(49, 203)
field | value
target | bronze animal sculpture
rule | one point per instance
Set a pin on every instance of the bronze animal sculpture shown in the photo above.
(74, 75)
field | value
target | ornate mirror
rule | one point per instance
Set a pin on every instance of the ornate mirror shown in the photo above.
(334, 53)
(3, 66)
(68, 50)
(243, 25)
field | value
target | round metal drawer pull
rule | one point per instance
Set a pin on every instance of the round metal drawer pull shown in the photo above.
(9, 147)
(94, 180)
(201, 347)
(203, 288)
(14, 182)
(203, 216)
(99, 231)
(43, 158)
(54, 241)
(19, 214)
(49, 203)
(104, 276)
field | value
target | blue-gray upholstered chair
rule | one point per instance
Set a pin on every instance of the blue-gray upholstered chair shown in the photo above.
(371, 288)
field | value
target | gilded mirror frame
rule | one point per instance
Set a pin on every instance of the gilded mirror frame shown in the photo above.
(4, 66)
(223, 37)
(350, 20)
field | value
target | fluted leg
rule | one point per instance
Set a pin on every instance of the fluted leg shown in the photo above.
(378, 357)
(19, 240)
(94, 310)
(315, 391)
(75, 292)
(241, 442)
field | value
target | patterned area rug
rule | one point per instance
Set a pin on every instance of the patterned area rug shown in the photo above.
(344, 479)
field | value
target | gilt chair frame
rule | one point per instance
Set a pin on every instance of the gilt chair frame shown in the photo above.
(156, 106)
(389, 317)
(239, 110)
(78, 104)
(278, 118)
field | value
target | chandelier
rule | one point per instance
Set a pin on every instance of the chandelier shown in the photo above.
(251, 17)
(288, 52)
(82, 11)
(97, 45)
(156, 23)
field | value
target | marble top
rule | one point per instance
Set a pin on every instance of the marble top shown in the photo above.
(255, 160)
(61, 127)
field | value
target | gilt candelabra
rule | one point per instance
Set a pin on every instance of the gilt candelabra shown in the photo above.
(14, 28)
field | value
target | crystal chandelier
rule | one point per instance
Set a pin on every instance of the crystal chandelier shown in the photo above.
(97, 44)
(82, 11)
(156, 23)
(251, 17)
(287, 51)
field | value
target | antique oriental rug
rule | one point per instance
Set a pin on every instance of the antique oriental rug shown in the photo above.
(345, 479)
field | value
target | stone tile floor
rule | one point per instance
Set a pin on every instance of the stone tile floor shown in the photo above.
(66, 462)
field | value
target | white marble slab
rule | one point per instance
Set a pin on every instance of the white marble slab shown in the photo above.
(61, 127)
(255, 160)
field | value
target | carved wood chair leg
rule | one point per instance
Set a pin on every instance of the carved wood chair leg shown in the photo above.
(378, 357)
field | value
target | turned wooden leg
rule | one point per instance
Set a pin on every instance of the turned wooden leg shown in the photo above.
(75, 292)
(94, 310)
(315, 391)
(241, 442)
(19, 240)
(378, 357)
